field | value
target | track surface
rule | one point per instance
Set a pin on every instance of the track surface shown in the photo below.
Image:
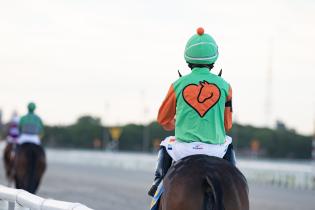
(116, 189)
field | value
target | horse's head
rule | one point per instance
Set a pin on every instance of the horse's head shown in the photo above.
(206, 91)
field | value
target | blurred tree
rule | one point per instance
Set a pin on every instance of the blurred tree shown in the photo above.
(82, 134)
(279, 143)
(275, 143)
(131, 138)
(132, 135)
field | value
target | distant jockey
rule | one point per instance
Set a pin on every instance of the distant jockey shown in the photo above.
(30, 160)
(13, 129)
(12, 136)
(199, 107)
(31, 127)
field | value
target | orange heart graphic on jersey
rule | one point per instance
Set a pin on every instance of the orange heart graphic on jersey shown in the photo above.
(201, 97)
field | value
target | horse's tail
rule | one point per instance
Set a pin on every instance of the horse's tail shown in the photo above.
(233, 186)
(213, 194)
(31, 170)
(36, 166)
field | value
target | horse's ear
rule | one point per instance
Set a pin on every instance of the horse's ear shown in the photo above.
(180, 75)
(220, 73)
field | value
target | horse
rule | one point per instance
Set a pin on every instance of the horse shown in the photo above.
(8, 160)
(30, 165)
(201, 182)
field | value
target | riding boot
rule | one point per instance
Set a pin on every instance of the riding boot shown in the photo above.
(163, 164)
(230, 155)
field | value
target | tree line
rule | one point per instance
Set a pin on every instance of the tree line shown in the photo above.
(88, 133)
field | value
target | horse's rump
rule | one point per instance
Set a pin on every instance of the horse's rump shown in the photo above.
(201, 182)
(30, 164)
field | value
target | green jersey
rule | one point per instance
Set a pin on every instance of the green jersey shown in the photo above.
(198, 101)
(31, 124)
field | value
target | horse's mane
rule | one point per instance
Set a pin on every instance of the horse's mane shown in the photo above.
(218, 178)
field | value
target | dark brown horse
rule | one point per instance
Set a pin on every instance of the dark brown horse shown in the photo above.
(30, 165)
(200, 182)
(8, 160)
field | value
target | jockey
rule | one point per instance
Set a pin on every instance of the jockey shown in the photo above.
(201, 102)
(31, 127)
(13, 129)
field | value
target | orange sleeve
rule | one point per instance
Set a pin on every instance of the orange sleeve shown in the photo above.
(166, 116)
(228, 111)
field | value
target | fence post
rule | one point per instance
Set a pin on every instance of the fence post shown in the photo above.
(4, 205)
(19, 207)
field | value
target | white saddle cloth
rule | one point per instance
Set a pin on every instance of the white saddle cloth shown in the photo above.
(12, 140)
(29, 138)
(178, 150)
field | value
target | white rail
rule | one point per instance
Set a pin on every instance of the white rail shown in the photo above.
(281, 174)
(287, 174)
(27, 201)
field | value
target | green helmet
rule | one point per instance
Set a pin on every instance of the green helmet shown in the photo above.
(201, 49)
(31, 107)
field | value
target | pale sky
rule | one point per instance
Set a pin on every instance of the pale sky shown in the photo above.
(117, 59)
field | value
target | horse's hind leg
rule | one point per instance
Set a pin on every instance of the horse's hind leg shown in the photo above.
(7, 161)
